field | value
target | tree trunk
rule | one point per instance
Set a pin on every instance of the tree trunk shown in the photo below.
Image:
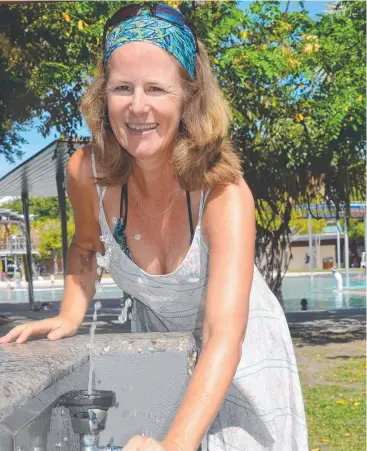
(56, 267)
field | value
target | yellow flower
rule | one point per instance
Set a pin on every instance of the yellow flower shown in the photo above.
(173, 4)
(346, 107)
(66, 17)
(299, 117)
(216, 60)
(308, 48)
(342, 403)
(325, 441)
(357, 404)
(286, 26)
(293, 62)
(347, 434)
(80, 25)
(360, 98)
(244, 34)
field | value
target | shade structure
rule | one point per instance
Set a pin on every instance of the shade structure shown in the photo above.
(41, 175)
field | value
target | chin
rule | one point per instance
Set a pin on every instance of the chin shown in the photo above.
(146, 150)
(143, 152)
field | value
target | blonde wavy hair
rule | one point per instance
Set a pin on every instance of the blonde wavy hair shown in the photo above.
(203, 156)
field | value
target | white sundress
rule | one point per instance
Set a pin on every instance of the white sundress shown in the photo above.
(263, 409)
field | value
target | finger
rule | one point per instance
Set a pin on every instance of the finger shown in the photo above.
(14, 333)
(25, 334)
(37, 328)
(134, 444)
(59, 332)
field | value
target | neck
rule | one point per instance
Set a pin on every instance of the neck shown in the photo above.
(154, 180)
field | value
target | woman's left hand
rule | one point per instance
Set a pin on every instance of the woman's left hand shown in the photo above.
(141, 443)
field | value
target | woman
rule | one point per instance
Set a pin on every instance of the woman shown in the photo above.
(183, 241)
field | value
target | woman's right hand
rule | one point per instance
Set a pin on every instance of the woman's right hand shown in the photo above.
(55, 328)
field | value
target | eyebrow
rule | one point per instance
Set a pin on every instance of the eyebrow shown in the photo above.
(149, 82)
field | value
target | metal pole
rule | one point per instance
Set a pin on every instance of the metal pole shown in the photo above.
(27, 230)
(338, 245)
(310, 250)
(365, 233)
(318, 251)
(346, 251)
(63, 217)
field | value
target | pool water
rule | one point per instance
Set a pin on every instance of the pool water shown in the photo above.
(319, 293)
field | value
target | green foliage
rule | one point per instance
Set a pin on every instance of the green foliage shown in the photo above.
(297, 90)
(49, 236)
(355, 230)
(296, 87)
(300, 226)
(41, 207)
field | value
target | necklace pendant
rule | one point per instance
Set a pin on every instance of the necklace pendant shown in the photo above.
(137, 237)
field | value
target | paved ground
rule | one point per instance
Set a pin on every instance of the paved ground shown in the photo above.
(323, 327)
(307, 328)
(323, 340)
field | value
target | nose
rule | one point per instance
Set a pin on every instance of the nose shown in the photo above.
(139, 104)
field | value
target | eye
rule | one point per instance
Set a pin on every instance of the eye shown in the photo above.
(155, 89)
(123, 88)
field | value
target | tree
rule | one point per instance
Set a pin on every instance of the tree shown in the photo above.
(41, 207)
(296, 88)
(49, 238)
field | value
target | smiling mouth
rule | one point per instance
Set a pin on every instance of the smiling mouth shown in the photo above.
(141, 127)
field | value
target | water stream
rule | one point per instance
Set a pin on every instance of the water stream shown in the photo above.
(97, 306)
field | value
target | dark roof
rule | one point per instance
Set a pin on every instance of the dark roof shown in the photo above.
(37, 175)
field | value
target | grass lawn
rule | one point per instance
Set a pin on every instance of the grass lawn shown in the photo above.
(336, 405)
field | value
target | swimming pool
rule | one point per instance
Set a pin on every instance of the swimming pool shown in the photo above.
(319, 293)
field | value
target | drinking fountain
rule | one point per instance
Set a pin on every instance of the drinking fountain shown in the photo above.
(88, 414)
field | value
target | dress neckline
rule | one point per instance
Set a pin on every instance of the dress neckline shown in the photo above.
(171, 274)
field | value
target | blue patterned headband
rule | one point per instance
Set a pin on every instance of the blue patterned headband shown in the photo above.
(176, 39)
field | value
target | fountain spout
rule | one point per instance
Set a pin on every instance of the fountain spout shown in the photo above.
(88, 414)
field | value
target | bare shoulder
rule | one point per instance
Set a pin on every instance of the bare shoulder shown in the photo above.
(228, 210)
(230, 199)
(79, 168)
(84, 199)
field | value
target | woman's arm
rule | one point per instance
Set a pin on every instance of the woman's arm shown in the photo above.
(81, 260)
(81, 273)
(229, 230)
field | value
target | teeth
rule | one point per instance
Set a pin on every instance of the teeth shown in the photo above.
(141, 127)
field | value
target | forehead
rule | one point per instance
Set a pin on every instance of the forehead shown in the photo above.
(140, 60)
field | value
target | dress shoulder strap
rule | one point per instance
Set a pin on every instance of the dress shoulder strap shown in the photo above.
(204, 197)
(101, 192)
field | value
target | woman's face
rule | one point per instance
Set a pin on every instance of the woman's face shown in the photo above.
(144, 98)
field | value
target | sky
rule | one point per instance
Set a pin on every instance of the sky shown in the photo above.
(36, 141)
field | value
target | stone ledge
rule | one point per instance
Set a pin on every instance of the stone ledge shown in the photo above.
(28, 369)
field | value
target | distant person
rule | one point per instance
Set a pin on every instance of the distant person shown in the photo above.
(304, 304)
(363, 260)
(18, 279)
(338, 279)
(307, 258)
(355, 261)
